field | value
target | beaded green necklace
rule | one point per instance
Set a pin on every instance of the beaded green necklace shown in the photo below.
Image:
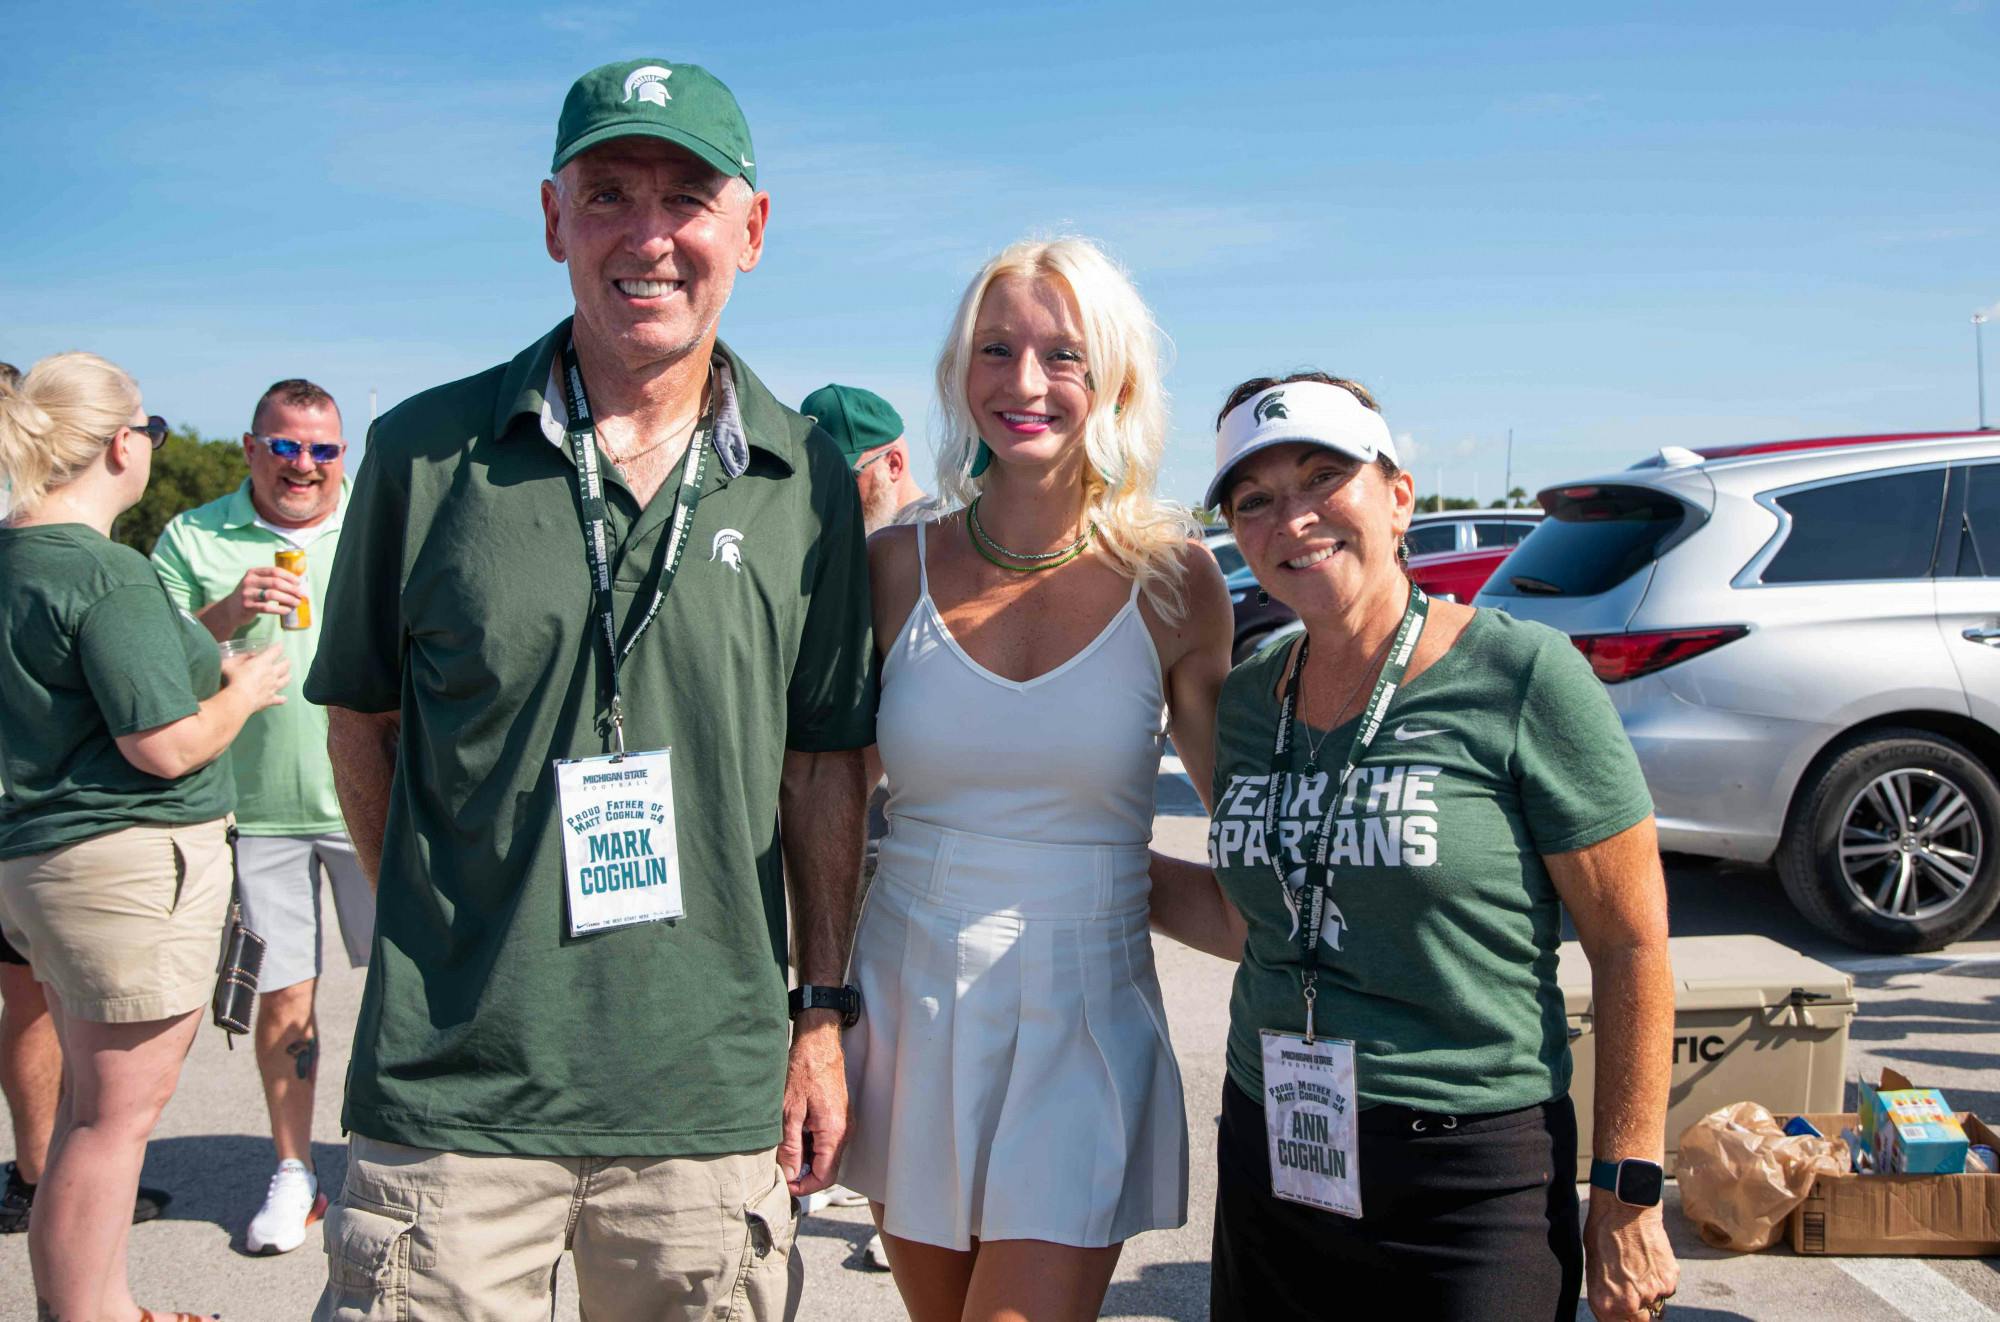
(1062, 555)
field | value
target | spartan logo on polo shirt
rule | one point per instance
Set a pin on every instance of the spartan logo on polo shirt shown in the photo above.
(1269, 408)
(1387, 817)
(649, 84)
(728, 548)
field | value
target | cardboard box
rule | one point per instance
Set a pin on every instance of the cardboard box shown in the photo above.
(1754, 1021)
(1943, 1216)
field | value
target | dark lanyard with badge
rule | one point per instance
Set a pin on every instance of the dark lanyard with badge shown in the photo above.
(1310, 1106)
(620, 860)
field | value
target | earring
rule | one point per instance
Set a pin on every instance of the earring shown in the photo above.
(1263, 597)
(981, 459)
(1402, 553)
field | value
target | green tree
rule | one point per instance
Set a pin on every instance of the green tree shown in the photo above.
(187, 471)
(1517, 498)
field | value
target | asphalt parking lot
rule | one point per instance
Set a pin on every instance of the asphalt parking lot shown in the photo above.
(1936, 1018)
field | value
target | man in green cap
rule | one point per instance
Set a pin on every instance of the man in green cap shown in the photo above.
(869, 432)
(600, 672)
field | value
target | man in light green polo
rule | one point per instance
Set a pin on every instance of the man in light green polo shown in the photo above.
(219, 561)
(599, 673)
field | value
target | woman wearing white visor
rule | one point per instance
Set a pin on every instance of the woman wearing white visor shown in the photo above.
(1405, 799)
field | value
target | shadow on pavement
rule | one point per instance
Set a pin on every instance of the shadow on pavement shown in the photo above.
(220, 1178)
(1174, 1290)
(855, 1233)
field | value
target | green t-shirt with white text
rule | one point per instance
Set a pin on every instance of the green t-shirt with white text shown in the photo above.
(1438, 954)
(90, 649)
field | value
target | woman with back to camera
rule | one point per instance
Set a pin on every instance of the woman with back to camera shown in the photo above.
(1017, 1109)
(1405, 799)
(114, 856)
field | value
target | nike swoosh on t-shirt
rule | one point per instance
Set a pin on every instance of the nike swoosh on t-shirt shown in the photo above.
(1405, 733)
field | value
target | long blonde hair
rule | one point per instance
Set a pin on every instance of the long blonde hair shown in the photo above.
(56, 420)
(1125, 432)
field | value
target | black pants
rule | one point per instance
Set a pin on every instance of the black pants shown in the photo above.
(1473, 1222)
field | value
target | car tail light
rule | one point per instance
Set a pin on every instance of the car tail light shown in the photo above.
(1617, 657)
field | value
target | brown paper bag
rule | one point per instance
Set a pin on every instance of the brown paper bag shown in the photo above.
(1741, 1175)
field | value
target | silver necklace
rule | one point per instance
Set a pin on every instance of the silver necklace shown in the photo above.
(676, 434)
(1305, 726)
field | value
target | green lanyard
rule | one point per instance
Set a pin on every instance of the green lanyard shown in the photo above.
(591, 510)
(1312, 898)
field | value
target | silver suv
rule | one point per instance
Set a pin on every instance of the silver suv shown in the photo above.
(1803, 640)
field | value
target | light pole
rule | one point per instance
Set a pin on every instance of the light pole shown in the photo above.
(1979, 362)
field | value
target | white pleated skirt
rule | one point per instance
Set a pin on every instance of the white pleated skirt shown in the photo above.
(1011, 1076)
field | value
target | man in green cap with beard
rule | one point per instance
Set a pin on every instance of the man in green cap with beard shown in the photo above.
(599, 671)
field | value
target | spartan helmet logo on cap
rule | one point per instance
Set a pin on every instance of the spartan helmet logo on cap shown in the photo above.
(1269, 408)
(728, 548)
(649, 84)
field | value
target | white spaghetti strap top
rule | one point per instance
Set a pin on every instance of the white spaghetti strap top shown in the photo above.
(1069, 757)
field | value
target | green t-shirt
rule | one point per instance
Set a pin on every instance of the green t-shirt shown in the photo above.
(284, 783)
(1438, 957)
(90, 649)
(462, 600)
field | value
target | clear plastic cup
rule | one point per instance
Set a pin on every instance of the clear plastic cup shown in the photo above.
(245, 646)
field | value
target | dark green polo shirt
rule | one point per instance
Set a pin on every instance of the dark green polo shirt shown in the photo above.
(462, 600)
(91, 649)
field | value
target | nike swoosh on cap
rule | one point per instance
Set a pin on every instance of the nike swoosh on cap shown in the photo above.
(1404, 733)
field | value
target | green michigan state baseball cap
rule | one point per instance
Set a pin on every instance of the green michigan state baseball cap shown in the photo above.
(681, 103)
(858, 420)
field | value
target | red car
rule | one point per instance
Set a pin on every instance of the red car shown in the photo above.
(1452, 554)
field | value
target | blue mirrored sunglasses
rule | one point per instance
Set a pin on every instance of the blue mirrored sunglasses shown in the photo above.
(287, 449)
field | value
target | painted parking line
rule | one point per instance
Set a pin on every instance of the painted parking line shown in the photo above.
(1913, 1290)
(1913, 963)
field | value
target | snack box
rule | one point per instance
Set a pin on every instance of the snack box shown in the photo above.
(1912, 1131)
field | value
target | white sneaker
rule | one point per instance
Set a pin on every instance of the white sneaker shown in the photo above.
(875, 1255)
(291, 1203)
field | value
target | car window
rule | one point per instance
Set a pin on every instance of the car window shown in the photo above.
(1979, 531)
(1594, 538)
(1495, 532)
(1430, 538)
(1869, 528)
(1227, 556)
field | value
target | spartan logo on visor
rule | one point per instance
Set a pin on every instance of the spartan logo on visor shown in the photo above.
(649, 84)
(1269, 408)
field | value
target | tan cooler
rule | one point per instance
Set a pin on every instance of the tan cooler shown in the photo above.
(1754, 1021)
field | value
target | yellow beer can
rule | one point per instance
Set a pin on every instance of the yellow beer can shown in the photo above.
(300, 616)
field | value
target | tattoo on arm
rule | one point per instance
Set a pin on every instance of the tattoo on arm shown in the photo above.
(305, 1056)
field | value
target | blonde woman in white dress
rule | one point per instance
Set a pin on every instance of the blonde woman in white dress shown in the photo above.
(1017, 1111)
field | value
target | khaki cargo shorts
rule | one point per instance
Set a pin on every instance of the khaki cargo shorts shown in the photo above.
(125, 927)
(473, 1237)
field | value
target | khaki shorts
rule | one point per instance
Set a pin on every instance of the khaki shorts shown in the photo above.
(125, 927)
(420, 1233)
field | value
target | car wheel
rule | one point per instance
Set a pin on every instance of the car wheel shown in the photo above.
(1896, 847)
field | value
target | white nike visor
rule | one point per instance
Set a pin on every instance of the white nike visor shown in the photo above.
(1306, 412)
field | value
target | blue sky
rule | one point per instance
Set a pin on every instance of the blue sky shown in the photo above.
(1706, 224)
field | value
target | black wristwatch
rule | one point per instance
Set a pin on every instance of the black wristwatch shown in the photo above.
(1636, 1181)
(844, 999)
